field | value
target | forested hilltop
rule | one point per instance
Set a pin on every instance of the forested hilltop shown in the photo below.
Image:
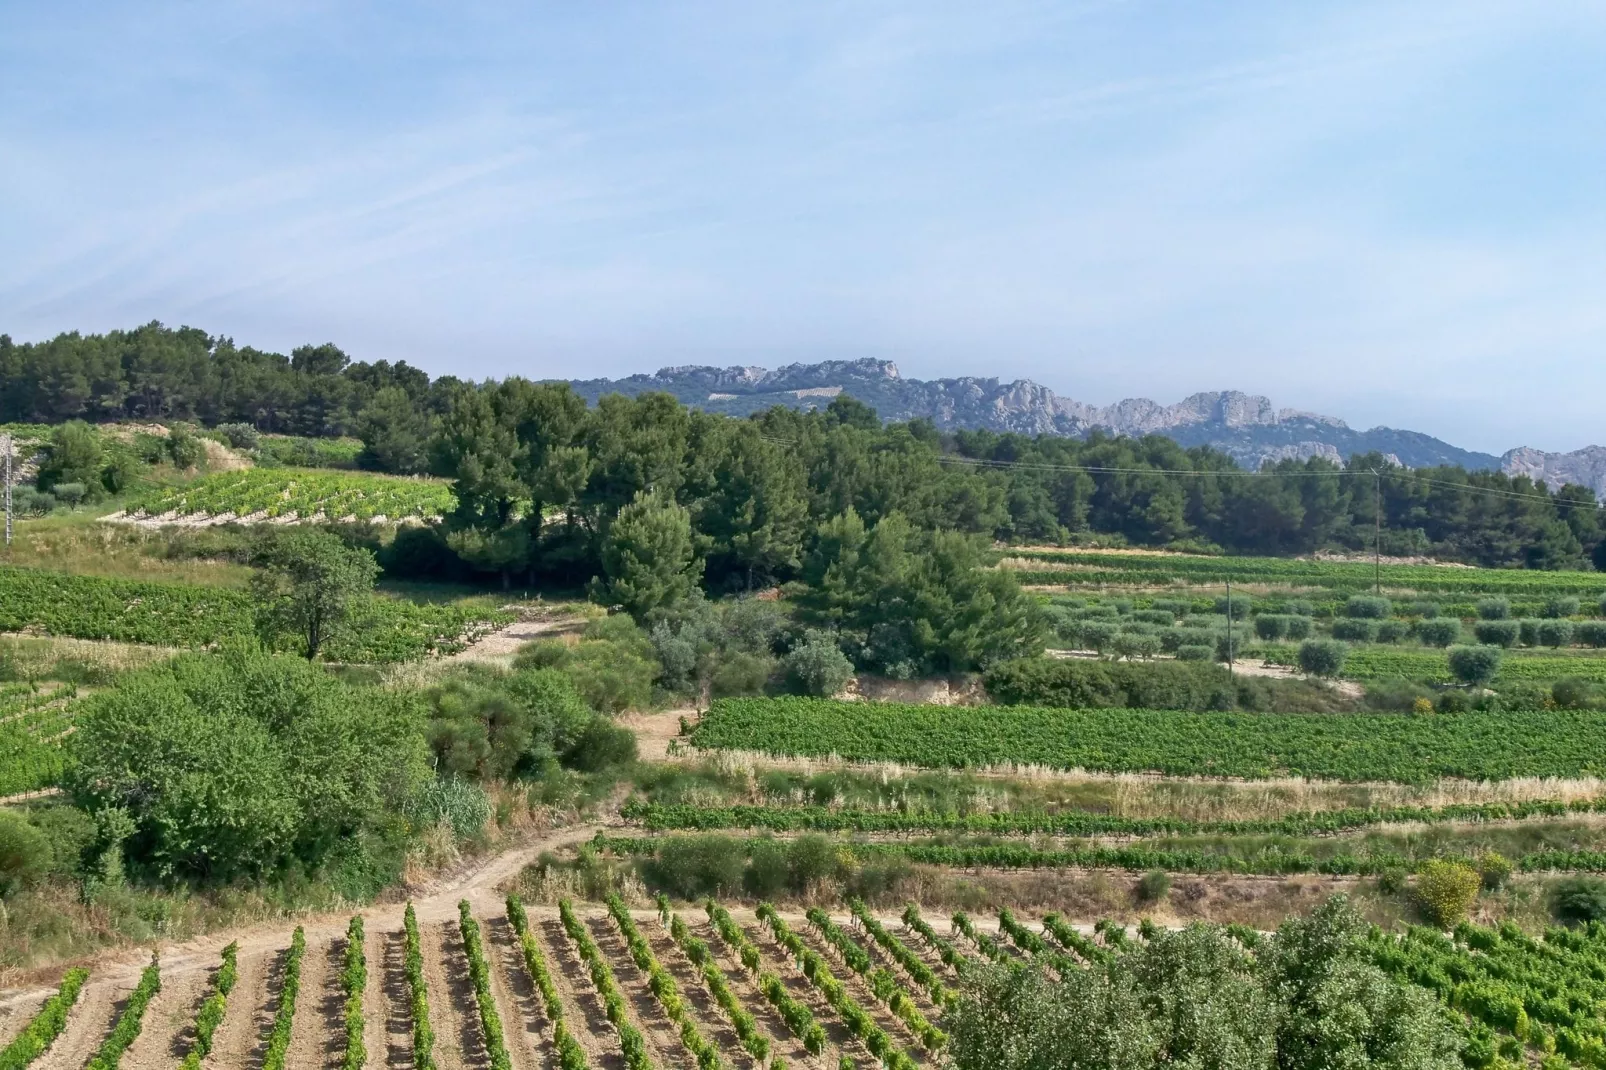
(540, 476)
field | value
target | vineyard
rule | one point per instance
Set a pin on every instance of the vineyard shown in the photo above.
(587, 986)
(298, 494)
(1346, 746)
(1092, 568)
(33, 721)
(194, 616)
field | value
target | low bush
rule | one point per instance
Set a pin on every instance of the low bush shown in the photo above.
(1580, 900)
(1240, 606)
(1439, 632)
(1555, 632)
(1367, 607)
(1154, 616)
(1528, 631)
(1494, 609)
(1154, 886)
(1195, 652)
(1355, 630)
(1447, 891)
(1494, 869)
(817, 667)
(1100, 684)
(1424, 610)
(1590, 633)
(1501, 633)
(1475, 665)
(1322, 657)
(1558, 606)
(1392, 631)
(1271, 626)
(1299, 626)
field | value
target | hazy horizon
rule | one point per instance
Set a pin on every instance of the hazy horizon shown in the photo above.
(1393, 216)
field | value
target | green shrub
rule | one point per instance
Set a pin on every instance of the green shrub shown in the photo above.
(1271, 626)
(1497, 632)
(1494, 869)
(1177, 607)
(1392, 880)
(1241, 604)
(1355, 630)
(603, 745)
(1558, 606)
(1556, 632)
(1439, 632)
(1195, 652)
(1154, 616)
(1590, 633)
(1494, 609)
(1367, 607)
(1136, 645)
(1322, 657)
(739, 673)
(1299, 626)
(1474, 665)
(689, 867)
(1299, 607)
(1154, 886)
(1571, 693)
(25, 853)
(817, 667)
(1454, 702)
(1580, 900)
(1391, 631)
(1084, 684)
(1528, 631)
(1099, 635)
(1424, 610)
(1447, 891)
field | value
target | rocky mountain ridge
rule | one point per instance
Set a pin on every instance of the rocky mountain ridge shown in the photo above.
(1246, 426)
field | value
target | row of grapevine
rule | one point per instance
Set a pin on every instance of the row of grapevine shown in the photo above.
(418, 993)
(950, 955)
(1359, 746)
(663, 817)
(855, 1017)
(1071, 940)
(798, 1018)
(45, 1026)
(697, 952)
(912, 964)
(210, 1016)
(570, 1054)
(479, 972)
(613, 1001)
(194, 616)
(353, 980)
(881, 981)
(988, 946)
(275, 493)
(129, 1021)
(1034, 945)
(284, 1015)
(663, 987)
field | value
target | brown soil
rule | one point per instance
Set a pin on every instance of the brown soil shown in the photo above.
(167, 1033)
(582, 1006)
(743, 984)
(780, 963)
(318, 1031)
(17, 1013)
(648, 1016)
(88, 1024)
(391, 1010)
(452, 1010)
(248, 1014)
(525, 1028)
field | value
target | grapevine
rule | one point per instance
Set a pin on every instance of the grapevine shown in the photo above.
(42, 1031)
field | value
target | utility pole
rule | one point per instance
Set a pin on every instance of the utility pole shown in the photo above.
(8, 490)
(1230, 650)
(1377, 537)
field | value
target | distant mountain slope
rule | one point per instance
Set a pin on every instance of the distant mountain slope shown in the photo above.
(1246, 426)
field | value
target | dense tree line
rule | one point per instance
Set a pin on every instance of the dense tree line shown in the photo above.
(541, 477)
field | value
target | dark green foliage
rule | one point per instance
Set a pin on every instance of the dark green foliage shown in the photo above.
(908, 603)
(1580, 900)
(1367, 607)
(1500, 633)
(395, 433)
(25, 853)
(1591, 633)
(1240, 605)
(1475, 665)
(1555, 632)
(648, 558)
(1271, 626)
(817, 667)
(1439, 632)
(305, 586)
(1155, 886)
(1322, 657)
(1100, 684)
(236, 763)
(1357, 630)
(1494, 609)
(1392, 631)
(75, 455)
(1559, 606)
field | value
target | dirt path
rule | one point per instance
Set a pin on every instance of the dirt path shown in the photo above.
(15, 1016)
(582, 1006)
(166, 1033)
(377, 1012)
(452, 1011)
(318, 1029)
(524, 1023)
(505, 642)
(662, 1039)
(393, 1010)
(742, 983)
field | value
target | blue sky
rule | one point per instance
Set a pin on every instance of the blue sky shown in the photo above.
(1390, 212)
